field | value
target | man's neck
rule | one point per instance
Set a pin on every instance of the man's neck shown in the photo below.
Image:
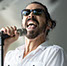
(32, 44)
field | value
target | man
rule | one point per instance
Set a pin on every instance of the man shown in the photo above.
(37, 21)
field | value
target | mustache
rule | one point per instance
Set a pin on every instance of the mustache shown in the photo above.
(33, 19)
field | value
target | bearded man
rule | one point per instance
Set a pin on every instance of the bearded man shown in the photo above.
(35, 52)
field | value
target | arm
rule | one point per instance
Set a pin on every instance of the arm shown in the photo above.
(12, 32)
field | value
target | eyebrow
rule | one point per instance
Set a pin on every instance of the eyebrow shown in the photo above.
(34, 9)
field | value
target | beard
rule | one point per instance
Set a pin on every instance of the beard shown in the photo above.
(34, 33)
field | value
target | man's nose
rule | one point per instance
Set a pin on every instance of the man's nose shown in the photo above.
(31, 15)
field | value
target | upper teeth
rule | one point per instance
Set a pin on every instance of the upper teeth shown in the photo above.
(31, 23)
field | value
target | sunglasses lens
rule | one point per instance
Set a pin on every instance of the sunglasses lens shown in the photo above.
(37, 11)
(25, 12)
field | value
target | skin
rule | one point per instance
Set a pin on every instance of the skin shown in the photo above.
(30, 43)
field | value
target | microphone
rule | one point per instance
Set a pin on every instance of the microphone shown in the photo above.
(20, 31)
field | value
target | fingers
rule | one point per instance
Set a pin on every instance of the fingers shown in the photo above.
(9, 30)
(4, 30)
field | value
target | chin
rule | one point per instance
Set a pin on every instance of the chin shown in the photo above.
(32, 34)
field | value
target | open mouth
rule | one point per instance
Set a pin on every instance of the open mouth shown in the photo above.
(31, 25)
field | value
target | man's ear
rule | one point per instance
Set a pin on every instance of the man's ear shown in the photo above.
(49, 25)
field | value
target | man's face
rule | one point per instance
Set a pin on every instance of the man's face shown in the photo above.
(36, 23)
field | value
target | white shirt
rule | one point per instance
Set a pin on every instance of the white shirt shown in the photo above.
(44, 55)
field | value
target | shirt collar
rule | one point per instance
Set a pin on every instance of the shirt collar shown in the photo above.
(40, 47)
(43, 45)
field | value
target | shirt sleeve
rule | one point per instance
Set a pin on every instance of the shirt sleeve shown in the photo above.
(8, 57)
(56, 57)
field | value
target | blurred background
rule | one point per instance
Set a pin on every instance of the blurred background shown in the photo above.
(10, 15)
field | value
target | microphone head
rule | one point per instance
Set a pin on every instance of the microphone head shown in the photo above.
(22, 32)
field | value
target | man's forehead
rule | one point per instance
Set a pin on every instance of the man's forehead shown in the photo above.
(33, 6)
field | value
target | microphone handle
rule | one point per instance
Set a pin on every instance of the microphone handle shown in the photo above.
(4, 36)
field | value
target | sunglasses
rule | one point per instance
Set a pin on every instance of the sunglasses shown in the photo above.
(26, 12)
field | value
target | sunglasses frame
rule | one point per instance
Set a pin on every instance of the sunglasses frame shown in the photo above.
(32, 10)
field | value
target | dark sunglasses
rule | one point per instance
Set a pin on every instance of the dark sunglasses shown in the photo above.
(26, 12)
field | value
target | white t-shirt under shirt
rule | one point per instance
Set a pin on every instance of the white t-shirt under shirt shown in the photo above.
(44, 55)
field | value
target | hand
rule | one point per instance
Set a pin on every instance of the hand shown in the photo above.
(12, 32)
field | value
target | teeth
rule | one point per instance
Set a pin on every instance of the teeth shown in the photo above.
(31, 25)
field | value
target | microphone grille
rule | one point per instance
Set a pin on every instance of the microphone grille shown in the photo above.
(22, 32)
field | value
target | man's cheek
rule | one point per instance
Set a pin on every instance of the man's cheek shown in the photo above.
(23, 25)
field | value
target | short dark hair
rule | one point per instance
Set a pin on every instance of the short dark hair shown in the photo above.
(48, 17)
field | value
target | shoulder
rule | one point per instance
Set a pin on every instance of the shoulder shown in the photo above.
(54, 48)
(56, 53)
(53, 51)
